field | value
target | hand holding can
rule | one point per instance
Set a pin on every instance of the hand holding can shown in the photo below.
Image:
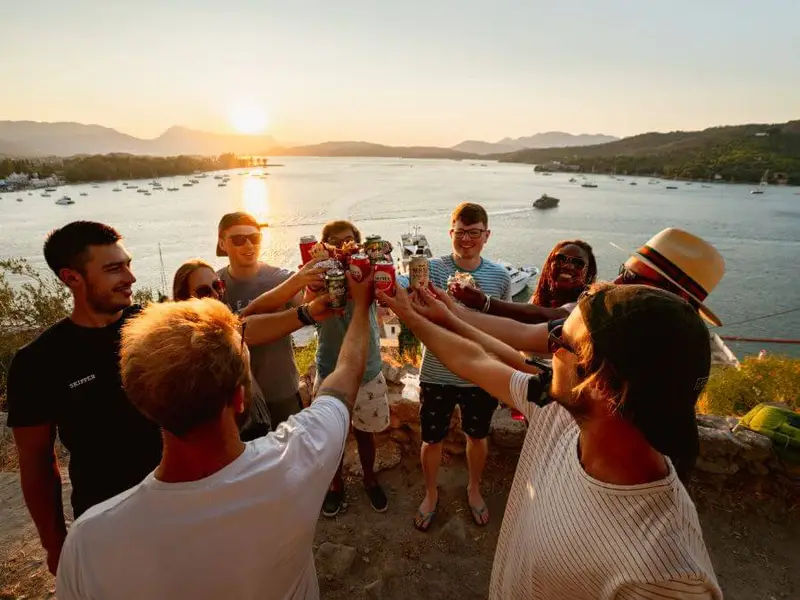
(385, 278)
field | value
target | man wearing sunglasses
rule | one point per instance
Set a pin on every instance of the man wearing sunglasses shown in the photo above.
(442, 390)
(597, 508)
(246, 278)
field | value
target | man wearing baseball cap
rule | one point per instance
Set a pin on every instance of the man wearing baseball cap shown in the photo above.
(246, 278)
(597, 508)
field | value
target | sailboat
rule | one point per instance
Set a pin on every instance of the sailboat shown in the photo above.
(764, 183)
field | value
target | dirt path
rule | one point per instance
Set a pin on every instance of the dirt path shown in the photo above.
(754, 545)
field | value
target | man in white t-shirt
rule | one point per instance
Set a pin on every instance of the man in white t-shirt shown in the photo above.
(596, 509)
(218, 518)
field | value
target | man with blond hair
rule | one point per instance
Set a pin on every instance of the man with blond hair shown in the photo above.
(218, 518)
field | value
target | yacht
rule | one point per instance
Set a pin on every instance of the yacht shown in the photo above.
(95, 186)
(632, 183)
(64, 201)
(117, 189)
(756, 192)
(222, 184)
(19, 199)
(187, 185)
(45, 195)
(217, 176)
(49, 189)
(84, 194)
(545, 201)
(194, 181)
(589, 184)
(672, 187)
(520, 276)
(172, 189)
(413, 243)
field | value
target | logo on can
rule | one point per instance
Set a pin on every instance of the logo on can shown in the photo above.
(307, 242)
(359, 266)
(336, 285)
(373, 247)
(418, 272)
(385, 278)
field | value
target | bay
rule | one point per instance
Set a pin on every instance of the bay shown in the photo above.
(759, 235)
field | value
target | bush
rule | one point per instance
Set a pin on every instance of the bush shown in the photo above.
(305, 356)
(735, 391)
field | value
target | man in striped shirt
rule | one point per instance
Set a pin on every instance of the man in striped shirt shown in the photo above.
(596, 509)
(441, 390)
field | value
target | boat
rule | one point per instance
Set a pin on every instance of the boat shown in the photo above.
(653, 182)
(589, 184)
(194, 181)
(50, 189)
(756, 192)
(573, 180)
(172, 189)
(148, 194)
(84, 194)
(703, 185)
(546, 173)
(19, 199)
(672, 187)
(116, 190)
(45, 195)
(187, 185)
(223, 184)
(413, 243)
(64, 201)
(217, 176)
(545, 201)
(633, 183)
(201, 176)
(520, 276)
(95, 186)
(142, 191)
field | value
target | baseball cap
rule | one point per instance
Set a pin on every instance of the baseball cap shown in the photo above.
(658, 346)
(231, 220)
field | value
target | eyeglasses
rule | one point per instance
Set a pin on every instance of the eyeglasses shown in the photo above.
(575, 261)
(556, 342)
(473, 234)
(239, 240)
(206, 291)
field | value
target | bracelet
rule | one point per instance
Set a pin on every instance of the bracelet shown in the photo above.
(305, 316)
(486, 304)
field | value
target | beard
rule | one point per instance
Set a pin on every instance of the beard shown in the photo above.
(106, 302)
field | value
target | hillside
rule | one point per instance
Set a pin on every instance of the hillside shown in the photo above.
(367, 149)
(549, 139)
(736, 153)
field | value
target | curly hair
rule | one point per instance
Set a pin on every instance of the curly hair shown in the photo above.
(544, 294)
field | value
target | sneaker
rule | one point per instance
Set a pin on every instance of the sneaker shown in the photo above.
(332, 503)
(377, 498)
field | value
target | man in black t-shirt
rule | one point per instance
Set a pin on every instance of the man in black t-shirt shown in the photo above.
(67, 382)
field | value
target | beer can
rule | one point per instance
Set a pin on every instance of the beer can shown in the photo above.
(373, 247)
(306, 243)
(336, 285)
(418, 272)
(385, 278)
(359, 266)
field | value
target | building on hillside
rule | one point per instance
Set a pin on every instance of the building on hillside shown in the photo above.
(391, 331)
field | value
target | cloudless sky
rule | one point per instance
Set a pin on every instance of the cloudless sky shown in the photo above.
(413, 72)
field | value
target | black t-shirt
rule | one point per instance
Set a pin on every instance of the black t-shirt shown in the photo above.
(69, 376)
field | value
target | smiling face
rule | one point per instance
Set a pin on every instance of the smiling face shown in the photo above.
(202, 283)
(469, 240)
(105, 278)
(565, 366)
(570, 267)
(242, 243)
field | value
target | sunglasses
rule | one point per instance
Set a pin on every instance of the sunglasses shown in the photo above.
(206, 291)
(473, 234)
(628, 276)
(240, 240)
(574, 261)
(556, 342)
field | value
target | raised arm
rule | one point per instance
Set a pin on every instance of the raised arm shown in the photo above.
(290, 291)
(266, 328)
(346, 378)
(524, 313)
(520, 336)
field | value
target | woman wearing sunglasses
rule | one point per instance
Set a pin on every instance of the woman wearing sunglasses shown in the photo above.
(569, 269)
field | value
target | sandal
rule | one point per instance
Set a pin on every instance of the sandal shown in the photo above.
(477, 513)
(423, 521)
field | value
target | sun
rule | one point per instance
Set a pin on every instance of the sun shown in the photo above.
(248, 120)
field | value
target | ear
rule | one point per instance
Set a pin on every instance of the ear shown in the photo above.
(239, 404)
(488, 234)
(221, 244)
(70, 277)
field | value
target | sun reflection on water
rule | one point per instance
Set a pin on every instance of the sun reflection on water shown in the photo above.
(255, 199)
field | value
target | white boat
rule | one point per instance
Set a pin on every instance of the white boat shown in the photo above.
(757, 192)
(64, 201)
(45, 195)
(95, 186)
(413, 243)
(217, 176)
(187, 185)
(573, 180)
(19, 199)
(194, 181)
(51, 189)
(520, 276)
(84, 194)
(116, 190)
(223, 184)
(589, 184)
(172, 189)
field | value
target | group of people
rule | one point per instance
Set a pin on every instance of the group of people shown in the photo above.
(197, 473)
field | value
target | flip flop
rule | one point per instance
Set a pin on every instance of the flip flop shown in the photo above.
(425, 519)
(477, 513)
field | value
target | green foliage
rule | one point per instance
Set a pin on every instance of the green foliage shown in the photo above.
(734, 153)
(409, 346)
(305, 356)
(735, 391)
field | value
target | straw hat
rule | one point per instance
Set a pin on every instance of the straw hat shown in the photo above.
(687, 261)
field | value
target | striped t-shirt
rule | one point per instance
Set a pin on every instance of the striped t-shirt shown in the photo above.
(568, 535)
(491, 278)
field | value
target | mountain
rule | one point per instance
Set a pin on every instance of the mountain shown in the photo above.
(29, 138)
(550, 139)
(368, 149)
(739, 152)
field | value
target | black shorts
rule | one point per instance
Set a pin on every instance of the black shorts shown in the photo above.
(438, 403)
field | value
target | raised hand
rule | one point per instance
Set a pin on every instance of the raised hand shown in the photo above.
(427, 304)
(362, 292)
(400, 304)
(318, 308)
(469, 296)
(309, 274)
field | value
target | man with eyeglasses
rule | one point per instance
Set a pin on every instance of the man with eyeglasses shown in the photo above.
(441, 390)
(246, 278)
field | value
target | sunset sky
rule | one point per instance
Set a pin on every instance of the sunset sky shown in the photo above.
(434, 72)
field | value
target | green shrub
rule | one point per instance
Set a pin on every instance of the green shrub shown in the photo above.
(305, 356)
(735, 391)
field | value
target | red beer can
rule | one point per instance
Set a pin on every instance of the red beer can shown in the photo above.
(307, 242)
(359, 266)
(385, 278)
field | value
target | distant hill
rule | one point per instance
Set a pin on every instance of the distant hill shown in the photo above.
(30, 138)
(739, 153)
(367, 149)
(550, 139)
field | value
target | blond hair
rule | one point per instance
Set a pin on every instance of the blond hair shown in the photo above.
(182, 362)
(180, 283)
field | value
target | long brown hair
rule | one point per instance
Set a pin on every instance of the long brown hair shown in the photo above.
(545, 289)
(180, 283)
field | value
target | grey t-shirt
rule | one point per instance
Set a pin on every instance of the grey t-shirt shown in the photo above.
(272, 364)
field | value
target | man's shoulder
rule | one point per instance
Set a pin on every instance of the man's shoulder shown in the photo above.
(101, 518)
(271, 272)
(49, 340)
(494, 268)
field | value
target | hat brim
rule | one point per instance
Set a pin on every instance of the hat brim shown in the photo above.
(705, 312)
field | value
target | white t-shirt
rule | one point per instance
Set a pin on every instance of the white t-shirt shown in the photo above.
(568, 535)
(244, 532)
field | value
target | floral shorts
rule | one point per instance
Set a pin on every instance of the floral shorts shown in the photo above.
(371, 411)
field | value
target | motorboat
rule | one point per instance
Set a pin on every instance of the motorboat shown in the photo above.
(756, 192)
(633, 183)
(45, 195)
(95, 186)
(520, 276)
(50, 189)
(412, 244)
(117, 190)
(573, 180)
(64, 201)
(672, 187)
(172, 189)
(223, 184)
(19, 199)
(589, 184)
(545, 201)
(187, 185)
(84, 194)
